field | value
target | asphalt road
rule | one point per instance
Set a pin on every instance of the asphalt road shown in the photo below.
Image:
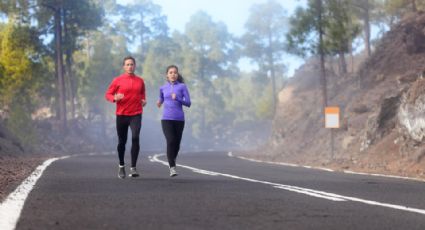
(215, 191)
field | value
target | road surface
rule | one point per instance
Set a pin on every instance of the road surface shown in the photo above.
(216, 191)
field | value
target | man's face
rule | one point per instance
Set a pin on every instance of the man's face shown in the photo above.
(129, 66)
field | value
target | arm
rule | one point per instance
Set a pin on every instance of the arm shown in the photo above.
(143, 93)
(160, 99)
(111, 91)
(185, 100)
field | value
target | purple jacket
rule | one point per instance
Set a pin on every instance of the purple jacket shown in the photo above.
(173, 109)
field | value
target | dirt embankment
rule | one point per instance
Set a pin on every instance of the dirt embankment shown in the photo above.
(382, 110)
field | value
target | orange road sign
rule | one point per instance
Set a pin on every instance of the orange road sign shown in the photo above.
(332, 117)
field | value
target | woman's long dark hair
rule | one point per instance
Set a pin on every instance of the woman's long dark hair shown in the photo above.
(179, 76)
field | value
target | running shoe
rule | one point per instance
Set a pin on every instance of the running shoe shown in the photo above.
(173, 171)
(121, 171)
(133, 172)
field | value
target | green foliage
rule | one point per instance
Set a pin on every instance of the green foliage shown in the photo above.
(162, 53)
(17, 10)
(20, 124)
(398, 7)
(20, 79)
(80, 16)
(302, 38)
(244, 99)
(264, 106)
(342, 27)
(208, 54)
(264, 41)
(96, 73)
(17, 54)
(141, 22)
(385, 13)
(337, 24)
(208, 47)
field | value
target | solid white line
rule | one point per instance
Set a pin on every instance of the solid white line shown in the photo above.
(11, 207)
(384, 175)
(307, 191)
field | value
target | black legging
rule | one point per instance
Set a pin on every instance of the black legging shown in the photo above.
(173, 131)
(135, 123)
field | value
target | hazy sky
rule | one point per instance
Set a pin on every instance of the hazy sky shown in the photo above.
(233, 13)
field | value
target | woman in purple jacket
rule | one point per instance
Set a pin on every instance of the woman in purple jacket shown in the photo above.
(174, 94)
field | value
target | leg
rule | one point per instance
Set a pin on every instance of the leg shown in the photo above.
(122, 129)
(178, 127)
(135, 126)
(170, 137)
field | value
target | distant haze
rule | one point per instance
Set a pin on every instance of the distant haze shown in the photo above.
(233, 13)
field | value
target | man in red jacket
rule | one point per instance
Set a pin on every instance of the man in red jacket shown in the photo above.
(128, 92)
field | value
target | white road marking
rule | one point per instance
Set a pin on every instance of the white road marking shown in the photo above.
(384, 175)
(306, 191)
(11, 207)
(230, 154)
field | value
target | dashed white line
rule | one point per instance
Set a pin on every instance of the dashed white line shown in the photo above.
(301, 190)
(230, 154)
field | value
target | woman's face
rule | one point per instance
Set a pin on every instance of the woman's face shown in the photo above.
(172, 75)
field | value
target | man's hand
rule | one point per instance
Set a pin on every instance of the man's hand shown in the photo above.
(143, 103)
(118, 96)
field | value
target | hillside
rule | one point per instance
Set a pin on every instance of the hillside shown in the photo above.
(382, 110)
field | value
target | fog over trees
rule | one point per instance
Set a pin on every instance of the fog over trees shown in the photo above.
(57, 58)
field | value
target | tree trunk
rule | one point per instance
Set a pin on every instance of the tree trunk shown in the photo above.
(322, 68)
(88, 49)
(202, 83)
(414, 8)
(59, 73)
(68, 61)
(57, 97)
(350, 50)
(342, 63)
(351, 58)
(367, 28)
(71, 85)
(142, 40)
(272, 72)
(322, 57)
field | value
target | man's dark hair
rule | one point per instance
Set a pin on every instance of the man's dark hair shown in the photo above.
(129, 58)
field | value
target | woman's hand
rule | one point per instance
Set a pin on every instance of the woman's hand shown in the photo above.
(158, 103)
(173, 96)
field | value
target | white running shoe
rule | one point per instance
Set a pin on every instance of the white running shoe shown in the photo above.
(121, 171)
(173, 171)
(133, 172)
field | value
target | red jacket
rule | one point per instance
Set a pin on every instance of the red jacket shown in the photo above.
(133, 88)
